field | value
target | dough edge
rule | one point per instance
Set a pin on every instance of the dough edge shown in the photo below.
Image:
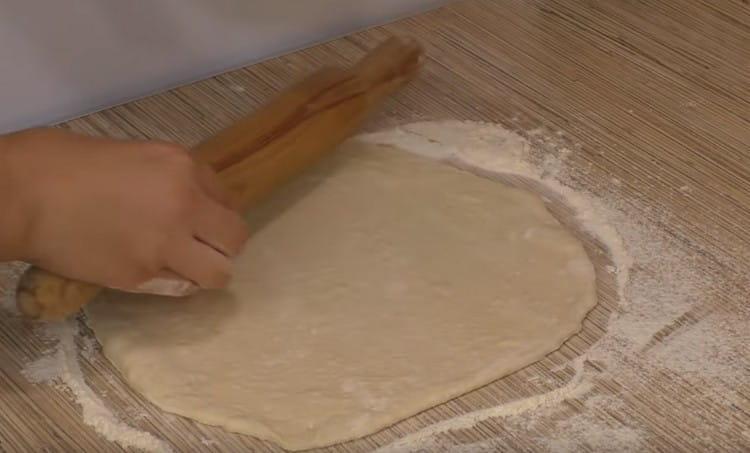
(381, 420)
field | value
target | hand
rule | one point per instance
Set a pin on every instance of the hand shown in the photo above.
(116, 213)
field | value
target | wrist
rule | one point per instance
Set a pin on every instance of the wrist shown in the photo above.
(15, 215)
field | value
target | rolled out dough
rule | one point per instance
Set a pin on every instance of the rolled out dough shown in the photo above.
(378, 285)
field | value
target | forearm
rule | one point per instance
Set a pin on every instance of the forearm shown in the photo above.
(13, 212)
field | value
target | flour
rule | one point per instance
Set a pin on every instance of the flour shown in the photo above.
(61, 366)
(661, 325)
(495, 149)
(572, 389)
(661, 285)
(10, 273)
(209, 442)
(686, 352)
(598, 436)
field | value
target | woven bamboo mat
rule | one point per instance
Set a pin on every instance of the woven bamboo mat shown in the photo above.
(653, 95)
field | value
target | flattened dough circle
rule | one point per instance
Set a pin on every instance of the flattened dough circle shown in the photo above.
(379, 285)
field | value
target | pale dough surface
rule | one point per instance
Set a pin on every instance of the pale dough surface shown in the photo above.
(377, 286)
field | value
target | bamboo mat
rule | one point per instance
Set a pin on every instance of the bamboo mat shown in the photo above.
(655, 93)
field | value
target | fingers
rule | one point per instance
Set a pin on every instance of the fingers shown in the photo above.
(199, 263)
(219, 233)
(219, 227)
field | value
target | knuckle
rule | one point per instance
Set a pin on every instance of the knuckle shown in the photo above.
(182, 206)
(180, 192)
(148, 260)
(236, 236)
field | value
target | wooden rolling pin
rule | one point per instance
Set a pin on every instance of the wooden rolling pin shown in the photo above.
(264, 150)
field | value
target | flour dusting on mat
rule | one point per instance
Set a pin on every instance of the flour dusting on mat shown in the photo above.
(61, 367)
(661, 326)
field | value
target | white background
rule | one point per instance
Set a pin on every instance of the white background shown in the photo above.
(64, 58)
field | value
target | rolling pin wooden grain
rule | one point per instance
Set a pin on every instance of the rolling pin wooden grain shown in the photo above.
(262, 151)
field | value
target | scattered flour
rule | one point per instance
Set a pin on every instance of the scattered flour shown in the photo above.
(209, 442)
(660, 325)
(10, 273)
(89, 347)
(598, 436)
(662, 284)
(575, 387)
(702, 352)
(61, 366)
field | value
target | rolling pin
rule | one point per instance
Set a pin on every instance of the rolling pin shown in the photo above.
(264, 150)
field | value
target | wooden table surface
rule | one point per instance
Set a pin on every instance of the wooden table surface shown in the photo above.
(654, 96)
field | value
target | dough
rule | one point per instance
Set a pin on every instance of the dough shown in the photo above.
(378, 285)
